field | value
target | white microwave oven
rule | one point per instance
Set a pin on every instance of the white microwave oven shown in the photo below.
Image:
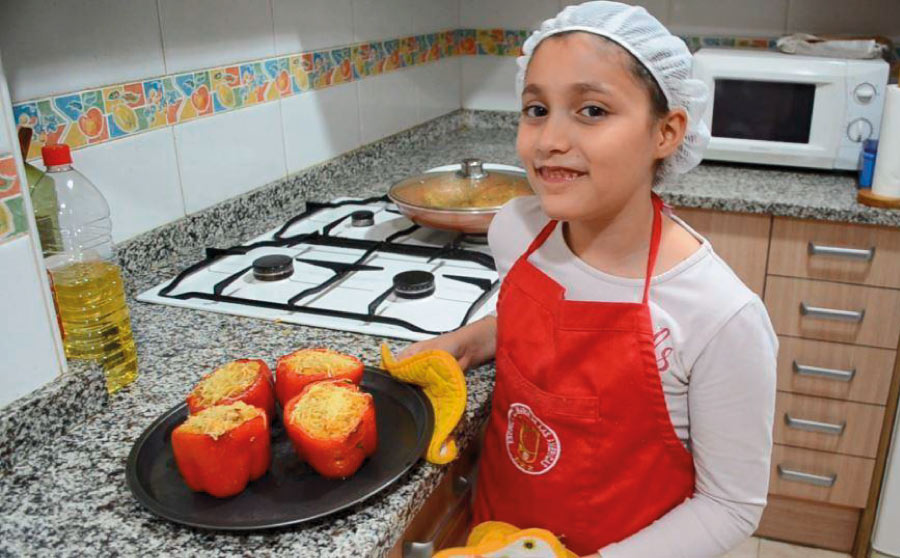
(773, 108)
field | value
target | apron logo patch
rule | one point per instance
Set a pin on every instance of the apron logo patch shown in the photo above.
(532, 446)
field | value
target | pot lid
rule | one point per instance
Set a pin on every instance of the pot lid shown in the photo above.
(470, 185)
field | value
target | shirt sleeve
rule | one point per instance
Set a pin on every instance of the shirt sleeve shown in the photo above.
(731, 401)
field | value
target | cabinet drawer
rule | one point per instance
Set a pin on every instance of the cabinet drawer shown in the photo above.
(817, 475)
(834, 311)
(836, 252)
(834, 370)
(828, 424)
(444, 518)
(742, 240)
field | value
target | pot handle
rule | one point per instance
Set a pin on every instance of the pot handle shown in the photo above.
(472, 168)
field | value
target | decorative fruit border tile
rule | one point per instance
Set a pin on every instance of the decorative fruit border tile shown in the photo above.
(12, 206)
(103, 114)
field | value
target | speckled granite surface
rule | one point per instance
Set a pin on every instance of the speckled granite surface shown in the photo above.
(45, 414)
(68, 497)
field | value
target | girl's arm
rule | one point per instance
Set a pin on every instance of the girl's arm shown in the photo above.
(731, 402)
(471, 345)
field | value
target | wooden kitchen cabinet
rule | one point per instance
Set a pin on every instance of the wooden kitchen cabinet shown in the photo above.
(811, 523)
(834, 370)
(820, 476)
(832, 291)
(836, 252)
(834, 311)
(827, 424)
(833, 294)
(742, 240)
(444, 518)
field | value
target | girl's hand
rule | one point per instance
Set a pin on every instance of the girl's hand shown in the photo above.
(471, 345)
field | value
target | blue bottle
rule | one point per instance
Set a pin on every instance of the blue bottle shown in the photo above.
(867, 163)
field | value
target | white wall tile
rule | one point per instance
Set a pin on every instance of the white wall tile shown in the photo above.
(319, 125)
(305, 25)
(229, 154)
(52, 47)
(205, 33)
(26, 335)
(382, 19)
(387, 105)
(842, 16)
(488, 83)
(138, 176)
(439, 89)
(729, 17)
(435, 15)
(658, 8)
(508, 14)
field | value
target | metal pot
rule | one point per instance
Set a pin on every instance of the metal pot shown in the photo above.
(462, 197)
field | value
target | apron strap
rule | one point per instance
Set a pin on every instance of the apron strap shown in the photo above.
(655, 237)
(654, 242)
(540, 238)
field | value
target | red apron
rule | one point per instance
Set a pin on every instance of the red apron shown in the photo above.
(579, 440)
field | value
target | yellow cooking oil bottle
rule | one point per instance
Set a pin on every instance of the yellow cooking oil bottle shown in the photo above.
(86, 282)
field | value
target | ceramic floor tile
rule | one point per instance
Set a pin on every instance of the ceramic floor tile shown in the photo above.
(774, 549)
(747, 549)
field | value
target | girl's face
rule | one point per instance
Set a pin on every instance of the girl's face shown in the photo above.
(587, 135)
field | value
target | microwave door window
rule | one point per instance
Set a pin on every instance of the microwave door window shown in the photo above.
(763, 110)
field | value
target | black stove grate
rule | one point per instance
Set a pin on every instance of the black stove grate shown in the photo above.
(452, 251)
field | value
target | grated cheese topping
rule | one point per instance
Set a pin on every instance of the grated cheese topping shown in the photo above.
(306, 361)
(327, 411)
(221, 419)
(226, 381)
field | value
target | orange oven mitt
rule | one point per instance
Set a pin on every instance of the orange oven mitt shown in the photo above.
(496, 539)
(443, 382)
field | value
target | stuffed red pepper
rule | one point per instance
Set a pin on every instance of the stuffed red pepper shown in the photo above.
(332, 426)
(221, 449)
(295, 371)
(247, 380)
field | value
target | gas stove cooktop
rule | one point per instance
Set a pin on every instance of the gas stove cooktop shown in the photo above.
(350, 264)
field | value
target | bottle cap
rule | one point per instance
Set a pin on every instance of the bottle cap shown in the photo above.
(56, 154)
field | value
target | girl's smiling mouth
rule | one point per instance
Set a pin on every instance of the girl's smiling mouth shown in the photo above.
(558, 175)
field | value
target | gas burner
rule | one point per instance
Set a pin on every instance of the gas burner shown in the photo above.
(473, 238)
(273, 267)
(362, 218)
(413, 284)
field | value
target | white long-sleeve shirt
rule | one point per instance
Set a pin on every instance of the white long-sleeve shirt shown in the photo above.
(716, 352)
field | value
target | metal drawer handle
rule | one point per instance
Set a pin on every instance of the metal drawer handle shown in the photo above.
(829, 373)
(808, 478)
(840, 252)
(814, 425)
(462, 487)
(832, 313)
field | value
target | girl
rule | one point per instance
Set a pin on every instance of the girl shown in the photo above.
(635, 385)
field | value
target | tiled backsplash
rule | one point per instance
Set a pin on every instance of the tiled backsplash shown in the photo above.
(12, 206)
(180, 105)
(98, 115)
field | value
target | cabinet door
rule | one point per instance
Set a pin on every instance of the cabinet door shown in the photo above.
(741, 239)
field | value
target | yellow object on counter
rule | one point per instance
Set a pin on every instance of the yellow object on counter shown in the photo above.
(496, 539)
(442, 379)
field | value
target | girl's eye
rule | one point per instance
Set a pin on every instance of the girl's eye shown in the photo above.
(592, 111)
(534, 111)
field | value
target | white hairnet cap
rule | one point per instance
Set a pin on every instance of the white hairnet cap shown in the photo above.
(664, 55)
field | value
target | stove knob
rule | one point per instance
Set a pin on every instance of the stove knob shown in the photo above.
(859, 130)
(864, 93)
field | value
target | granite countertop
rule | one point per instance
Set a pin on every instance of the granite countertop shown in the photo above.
(62, 484)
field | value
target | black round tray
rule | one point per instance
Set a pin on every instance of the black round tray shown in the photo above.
(290, 492)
